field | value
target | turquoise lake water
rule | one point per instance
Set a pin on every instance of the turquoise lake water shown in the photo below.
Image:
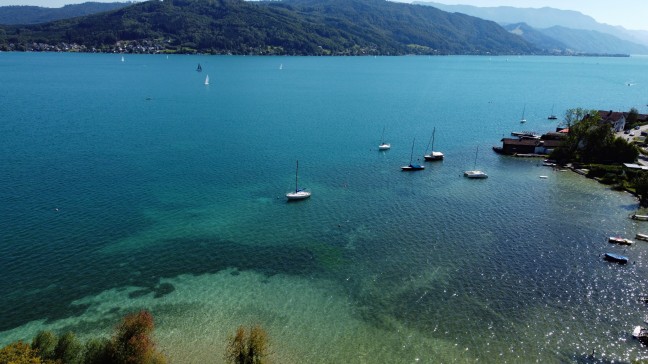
(131, 185)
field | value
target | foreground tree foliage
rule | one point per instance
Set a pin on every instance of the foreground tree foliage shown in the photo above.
(21, 353)
(248, 349)
(131, 344)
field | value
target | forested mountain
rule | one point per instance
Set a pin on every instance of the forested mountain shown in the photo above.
(536, 37)
(304, 27)
(37, 14)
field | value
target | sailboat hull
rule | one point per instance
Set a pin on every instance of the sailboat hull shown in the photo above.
(475, 174)
(413, 167)
(434, 156)
(298, 195)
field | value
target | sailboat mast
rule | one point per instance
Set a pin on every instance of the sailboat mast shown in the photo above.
(412, 153)
(382, 137)
(475, 164)
(296, 174)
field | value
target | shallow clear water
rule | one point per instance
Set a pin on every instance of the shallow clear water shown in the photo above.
(133, 185)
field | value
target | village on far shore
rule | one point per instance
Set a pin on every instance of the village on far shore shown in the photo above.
(606, 145)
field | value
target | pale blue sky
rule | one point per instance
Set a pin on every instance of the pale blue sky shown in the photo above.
(632, 14)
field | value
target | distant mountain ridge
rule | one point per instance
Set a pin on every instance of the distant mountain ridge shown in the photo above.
(300, 27)
(544, 18)
(36, 14)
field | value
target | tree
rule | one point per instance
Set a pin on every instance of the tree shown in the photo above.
(20, 353)
(641, 188)
(631, 119)
(68, 349)
(573, 116)
(132, 342)
(97, 351)
(44, 344)
(247, 349)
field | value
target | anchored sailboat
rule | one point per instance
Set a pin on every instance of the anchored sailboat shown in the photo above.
(383, 145)
(412, 167)
(552, 116)
(433, 156)
(475, 173)
(523, 120)
(299, 193)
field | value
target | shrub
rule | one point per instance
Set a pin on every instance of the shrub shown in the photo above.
(132, 343)
(20, 353)
(247, 349)
(44, 344)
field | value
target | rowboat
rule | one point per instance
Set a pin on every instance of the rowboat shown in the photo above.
(643, 237)
(616, 258)
(619, 240)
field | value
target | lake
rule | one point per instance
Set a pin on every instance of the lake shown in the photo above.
(133, 185)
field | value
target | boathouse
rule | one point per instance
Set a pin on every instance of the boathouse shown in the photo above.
(543, 145)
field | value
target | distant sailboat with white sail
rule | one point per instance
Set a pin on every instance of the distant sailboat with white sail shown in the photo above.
(207, 80)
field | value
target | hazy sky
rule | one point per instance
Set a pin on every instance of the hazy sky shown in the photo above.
(631, 14)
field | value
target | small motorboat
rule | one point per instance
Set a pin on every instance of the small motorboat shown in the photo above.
(643, 237)
(615, 258)
(475, 174)
(619, 240)
(413, 167)
(640, 217)
(640, 334)
(384, 146)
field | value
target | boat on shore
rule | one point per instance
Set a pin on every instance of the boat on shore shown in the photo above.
(640, 217)
(643, 237)
(526, 135)
(615, 258)
(619, 240)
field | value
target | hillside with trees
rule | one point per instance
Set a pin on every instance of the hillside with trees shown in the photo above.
(296, 27)
(38, 14)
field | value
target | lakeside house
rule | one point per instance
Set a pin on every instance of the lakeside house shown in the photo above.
(618, 119)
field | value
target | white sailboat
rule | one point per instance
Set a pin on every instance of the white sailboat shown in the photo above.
(523, 120)
(475, 173)
(207, 80)
(552, 116)
(299, 193)
(122, 59)
(433, 156)
(383, 145)
(281, 66)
